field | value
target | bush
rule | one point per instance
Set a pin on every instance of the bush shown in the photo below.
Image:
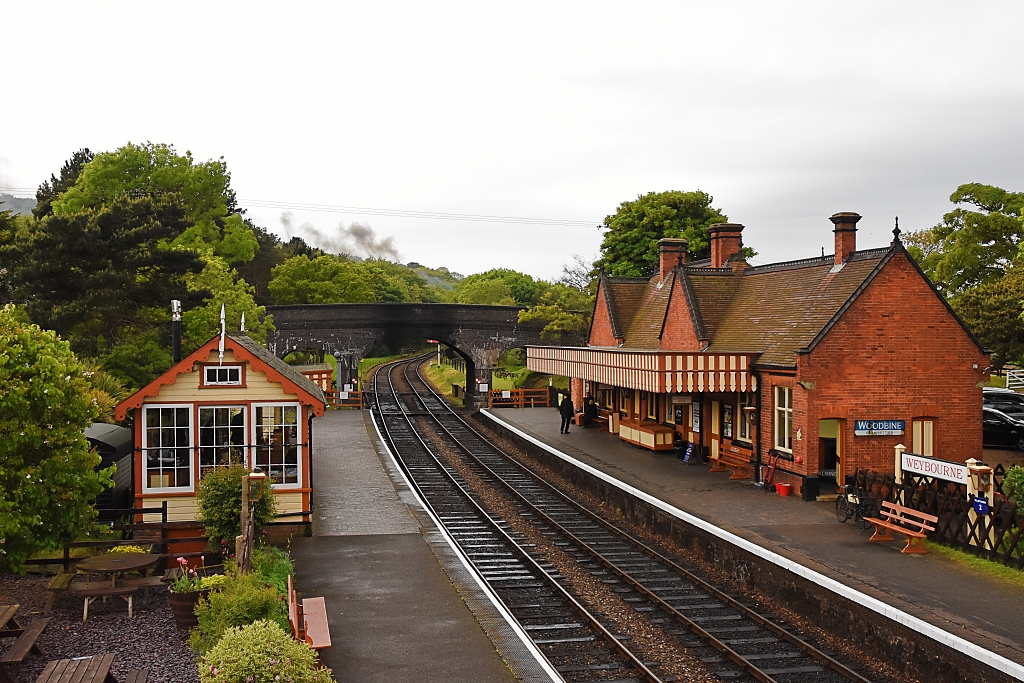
(220, 504)
(261, 653)
(272, 566)
(239, 601)
(1013, 484)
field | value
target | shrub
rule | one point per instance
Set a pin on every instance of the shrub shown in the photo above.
(220, 504)
(1013, 484)
(272, 566)
(260, 653)
(239, 601)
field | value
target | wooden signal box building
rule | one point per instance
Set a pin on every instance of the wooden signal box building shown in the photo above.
(825, 363)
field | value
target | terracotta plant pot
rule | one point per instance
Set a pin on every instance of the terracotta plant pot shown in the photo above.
(183, 606)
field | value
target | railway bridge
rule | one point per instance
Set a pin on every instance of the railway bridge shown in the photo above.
(479, 334)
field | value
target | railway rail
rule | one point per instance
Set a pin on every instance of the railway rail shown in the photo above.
(730, 638)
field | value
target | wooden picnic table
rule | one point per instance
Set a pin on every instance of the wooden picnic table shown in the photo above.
(115, 564)
(26, 639)
(9, 626)
(80, 669)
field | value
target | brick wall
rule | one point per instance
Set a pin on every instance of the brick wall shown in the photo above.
(678, 333)
(601, 328)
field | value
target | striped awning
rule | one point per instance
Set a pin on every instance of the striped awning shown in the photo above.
(657, 371)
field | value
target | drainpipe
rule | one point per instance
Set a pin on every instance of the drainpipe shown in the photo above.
(757, 427)
(309, 455)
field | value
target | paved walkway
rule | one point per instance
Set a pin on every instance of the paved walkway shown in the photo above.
(974, 606)
(395, 614)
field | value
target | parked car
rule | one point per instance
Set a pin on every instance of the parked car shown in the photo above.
(1004, 400)
(999, 429)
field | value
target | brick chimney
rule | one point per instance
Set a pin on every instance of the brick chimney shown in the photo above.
(726, 242)
(846, 234)
(671, 252)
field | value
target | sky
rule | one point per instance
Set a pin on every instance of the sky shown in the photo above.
(785, 112)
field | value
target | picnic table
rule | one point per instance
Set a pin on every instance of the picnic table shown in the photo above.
(26, 638)
(94, 669)
(115, 564)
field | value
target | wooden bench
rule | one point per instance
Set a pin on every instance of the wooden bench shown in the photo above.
(308, 620)
(725, 461)
(25, 639)
(56, 588)
(94, 669)
(124, 592)
(905, 521)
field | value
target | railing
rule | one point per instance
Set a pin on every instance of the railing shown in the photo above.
(1015, 380)
(519, 398)
(345, 399)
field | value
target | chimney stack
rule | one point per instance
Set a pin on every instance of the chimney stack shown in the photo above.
(846, 234)
(176, 331)
(671, 252)
(726, 242)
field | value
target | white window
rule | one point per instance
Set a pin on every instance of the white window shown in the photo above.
(222, 375)
(279, 444)
(745, 432)
(167, 448)
(923, 431)
(221, 438)
(784, 418)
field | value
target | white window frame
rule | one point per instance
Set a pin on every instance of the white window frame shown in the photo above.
(922, 431)
(198, 431)
(228, 383)
(191, 448)
(744, 419)
(300, 434)
(783, 418)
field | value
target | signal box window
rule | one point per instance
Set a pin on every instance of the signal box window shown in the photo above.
(222, 375)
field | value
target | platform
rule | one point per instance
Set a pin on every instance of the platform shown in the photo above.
(977, 607)
(398, 602)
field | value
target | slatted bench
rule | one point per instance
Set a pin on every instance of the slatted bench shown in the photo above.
(124, 592)
(725, 462)
(905, 521)
(308, 620)
(25, 638)
(56, 588)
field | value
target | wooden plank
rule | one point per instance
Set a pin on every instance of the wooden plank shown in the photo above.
(314, 618)
(25, 643)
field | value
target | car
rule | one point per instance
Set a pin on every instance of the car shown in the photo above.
(1004, 400)
(1000, 429)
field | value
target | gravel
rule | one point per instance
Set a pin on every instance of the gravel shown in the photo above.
(148, 640)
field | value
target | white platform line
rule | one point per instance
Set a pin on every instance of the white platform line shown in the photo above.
(997, 662)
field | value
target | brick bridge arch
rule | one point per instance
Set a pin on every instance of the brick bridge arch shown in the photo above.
(477, 333)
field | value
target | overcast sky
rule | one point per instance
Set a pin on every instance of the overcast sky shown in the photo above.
(784, 112)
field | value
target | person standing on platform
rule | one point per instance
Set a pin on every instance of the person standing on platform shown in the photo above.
(567, 411)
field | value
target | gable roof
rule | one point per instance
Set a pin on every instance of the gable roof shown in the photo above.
(246, 349)
(777, 310)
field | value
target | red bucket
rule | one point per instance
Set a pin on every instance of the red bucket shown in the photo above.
(783, 489)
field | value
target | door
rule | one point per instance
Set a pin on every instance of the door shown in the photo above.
(716, 428)
(830, 449)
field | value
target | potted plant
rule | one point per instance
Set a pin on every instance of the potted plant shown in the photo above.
(186, 590)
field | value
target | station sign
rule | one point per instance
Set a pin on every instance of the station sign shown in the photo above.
(933, 467)
(879, 427)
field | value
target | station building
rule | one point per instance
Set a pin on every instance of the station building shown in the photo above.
(822, 364)
(229, 402)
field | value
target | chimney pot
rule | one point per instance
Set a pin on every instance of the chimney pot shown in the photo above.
(671, 252)
(846, 234)
(726, 242)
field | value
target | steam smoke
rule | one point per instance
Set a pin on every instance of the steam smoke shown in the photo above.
(355, 239)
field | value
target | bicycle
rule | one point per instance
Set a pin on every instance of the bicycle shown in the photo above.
(855, 504)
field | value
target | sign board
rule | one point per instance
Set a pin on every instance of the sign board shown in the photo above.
(981, 506)
(678, 399)
(689, 453)
(433, 341)
(482, 387)
(696, 416)
(348, 387)
(343, 396)
(879, 427)
(933, 467)
(506, 394)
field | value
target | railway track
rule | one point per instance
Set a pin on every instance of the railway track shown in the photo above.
(731, 640)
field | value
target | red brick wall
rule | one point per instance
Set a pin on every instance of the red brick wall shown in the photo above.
(897, 354)
(678, 334)
(601, 328)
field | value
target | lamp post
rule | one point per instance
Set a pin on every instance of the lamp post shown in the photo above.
(252, 492)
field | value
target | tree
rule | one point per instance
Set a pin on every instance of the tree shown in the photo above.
(47, 472)
(522, 288)
(969, 248)
(630, 247)
(52, 188)
(993, 312)
(224, 287)
(322, 280)
(489, 292)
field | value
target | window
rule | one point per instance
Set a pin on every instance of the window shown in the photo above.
(923, 436)
(222, 375)
(784, 418)
(277, 443)
(221, 438)
(727, 409)
(167, 444)
(652, 406)
(746, 421)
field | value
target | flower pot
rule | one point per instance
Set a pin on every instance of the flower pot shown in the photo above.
(183, 606)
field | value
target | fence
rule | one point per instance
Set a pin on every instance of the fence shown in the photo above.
(996, 535)
(345, 399)
(519, 398)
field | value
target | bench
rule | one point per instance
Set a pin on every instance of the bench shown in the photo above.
(124, 592)
(308, 620)
(56, 587)
(94, 669)
(905, 521)
(725, 461)
(25, 639)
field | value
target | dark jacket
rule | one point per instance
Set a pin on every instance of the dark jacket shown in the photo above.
(566, 409)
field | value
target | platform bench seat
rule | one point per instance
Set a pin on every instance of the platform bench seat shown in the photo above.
(904, 521)
(308, 619)
(725, 462)
(124, 592)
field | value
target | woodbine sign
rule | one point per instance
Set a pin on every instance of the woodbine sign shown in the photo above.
(940, 469)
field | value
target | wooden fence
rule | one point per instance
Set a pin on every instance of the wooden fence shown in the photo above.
(344, 399)
(519, 398)
(996, 535)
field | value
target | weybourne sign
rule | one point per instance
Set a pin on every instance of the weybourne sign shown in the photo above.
(879, 427)
(940, 469)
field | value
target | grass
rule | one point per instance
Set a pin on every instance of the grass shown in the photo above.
(977, 564)
(442, 379)
(367, 365)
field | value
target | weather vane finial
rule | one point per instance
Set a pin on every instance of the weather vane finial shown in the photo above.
(896, 232)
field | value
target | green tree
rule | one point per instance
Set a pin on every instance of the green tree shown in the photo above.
(490, 292)
(52, 188)
(969, 248)
(630, 246)
(322, 280)
(993, 312)
(224, 287)
(522, 288)
(156, 170)
(47, 472)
